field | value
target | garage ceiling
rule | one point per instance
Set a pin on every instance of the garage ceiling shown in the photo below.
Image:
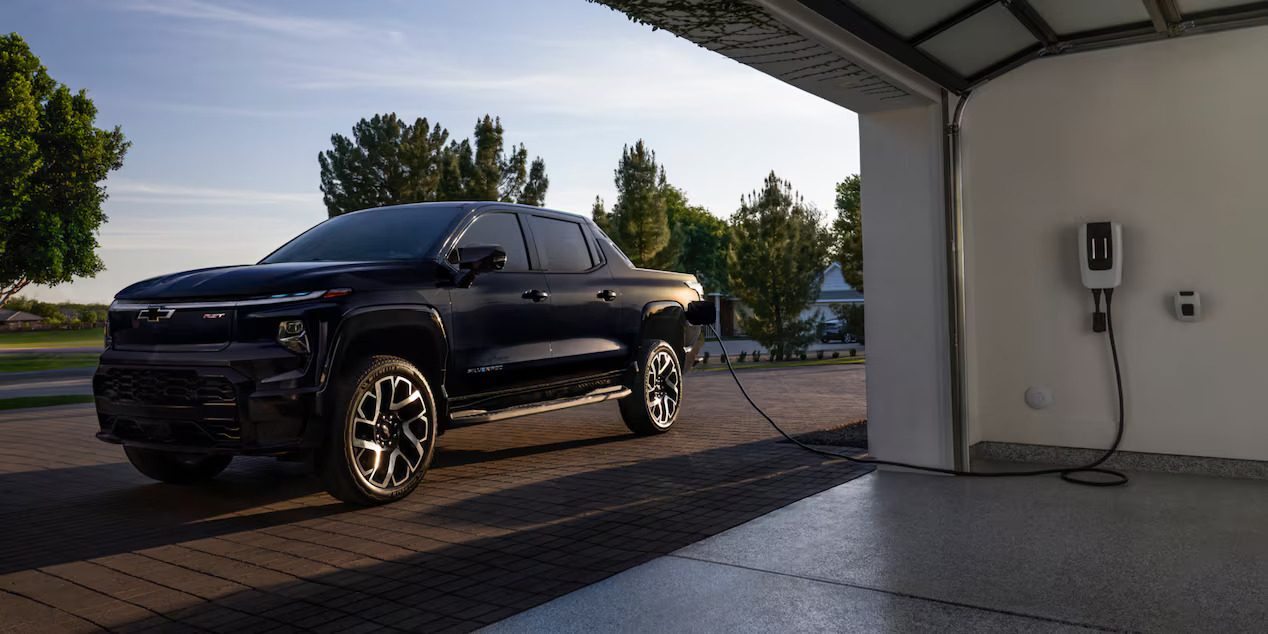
(957, 44)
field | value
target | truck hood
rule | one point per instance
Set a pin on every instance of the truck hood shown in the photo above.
(238, 282)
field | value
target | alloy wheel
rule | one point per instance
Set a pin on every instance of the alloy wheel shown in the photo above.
(662, 388)
(390, 425)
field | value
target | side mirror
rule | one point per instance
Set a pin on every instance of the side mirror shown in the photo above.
(479, 258)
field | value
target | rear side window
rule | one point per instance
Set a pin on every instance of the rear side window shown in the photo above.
(562, 244)
(500, 229)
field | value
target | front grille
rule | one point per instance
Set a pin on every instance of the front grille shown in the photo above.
(162, 387)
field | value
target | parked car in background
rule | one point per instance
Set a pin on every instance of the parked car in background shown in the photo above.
(835, 330)
(357, 343)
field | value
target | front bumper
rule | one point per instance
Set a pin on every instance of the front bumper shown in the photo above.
(188, 404)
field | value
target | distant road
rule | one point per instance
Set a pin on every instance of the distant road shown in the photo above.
(736, 346)
(49, 350)
(46, 382)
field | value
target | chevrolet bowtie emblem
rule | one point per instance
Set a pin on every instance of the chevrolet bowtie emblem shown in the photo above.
(155, 313)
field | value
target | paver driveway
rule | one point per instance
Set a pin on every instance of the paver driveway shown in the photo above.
(512, 514)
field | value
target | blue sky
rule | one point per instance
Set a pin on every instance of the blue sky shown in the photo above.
(227, 105)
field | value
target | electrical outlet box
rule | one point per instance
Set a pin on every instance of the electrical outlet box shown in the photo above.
(1188, 305)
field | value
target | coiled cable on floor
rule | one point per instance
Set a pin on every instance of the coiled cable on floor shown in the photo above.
(1069, 474)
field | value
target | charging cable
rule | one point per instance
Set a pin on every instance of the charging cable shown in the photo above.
(1069, 474)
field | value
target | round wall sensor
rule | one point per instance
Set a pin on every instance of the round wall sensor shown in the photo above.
(1038, 397)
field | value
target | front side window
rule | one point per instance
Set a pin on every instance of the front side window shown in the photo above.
(562, 245)
(501, 229)
(400, 233)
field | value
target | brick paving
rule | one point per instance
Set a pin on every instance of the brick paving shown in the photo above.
(512, 514)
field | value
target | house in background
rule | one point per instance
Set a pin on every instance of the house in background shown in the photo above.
(14, 319)
(833, 292)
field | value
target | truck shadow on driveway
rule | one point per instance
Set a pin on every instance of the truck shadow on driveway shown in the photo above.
(486, 536)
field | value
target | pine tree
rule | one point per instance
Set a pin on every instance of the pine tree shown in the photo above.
(777, 254)
(390, 162)
(534, 192)
(639, 215)
(601, 216)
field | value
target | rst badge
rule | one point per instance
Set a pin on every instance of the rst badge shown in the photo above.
(155, 313)
(213, 315)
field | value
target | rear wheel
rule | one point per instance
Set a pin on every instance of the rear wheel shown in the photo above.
(384, 436)
(176, 468)
(657, 387)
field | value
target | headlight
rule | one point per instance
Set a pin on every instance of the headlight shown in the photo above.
(291, 335)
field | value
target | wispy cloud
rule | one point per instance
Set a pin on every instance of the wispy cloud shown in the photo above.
(228, 111)
(249, 16)
(563, 76)
(134, 192)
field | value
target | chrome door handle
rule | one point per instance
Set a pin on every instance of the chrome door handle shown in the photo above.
(607, 295)
(535, 295)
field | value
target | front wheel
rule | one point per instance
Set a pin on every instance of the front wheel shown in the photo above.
(176, 468)
(383, 434)
(657, 387)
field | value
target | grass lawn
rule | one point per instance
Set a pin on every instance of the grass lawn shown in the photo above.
(89, 337)
(716, 363)
(18, 362)
(42, 401)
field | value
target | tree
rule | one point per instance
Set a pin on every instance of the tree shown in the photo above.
(386, 162)
(484, 171)
(851, 318)
(52, 165)
(639, 222)
(390, 162)
(698, 241)
(847, 231)
(601, 216)
(776, 257)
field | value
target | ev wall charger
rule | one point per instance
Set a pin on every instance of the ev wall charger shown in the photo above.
(1101, 254)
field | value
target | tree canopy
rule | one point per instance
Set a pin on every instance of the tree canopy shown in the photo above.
(847, 231)
(390, 162)
(52, 165)
(777, 254)
(698, 241)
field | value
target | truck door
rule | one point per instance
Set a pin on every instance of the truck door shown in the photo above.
(584, 319)
(501, 325)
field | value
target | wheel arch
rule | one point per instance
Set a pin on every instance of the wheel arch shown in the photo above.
(665, 320)
(414, 333)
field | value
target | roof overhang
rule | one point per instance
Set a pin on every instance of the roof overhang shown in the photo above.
(872, 55)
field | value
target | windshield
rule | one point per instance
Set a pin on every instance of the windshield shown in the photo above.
(394, 233)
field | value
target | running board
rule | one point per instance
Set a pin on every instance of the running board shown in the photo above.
(474, 416)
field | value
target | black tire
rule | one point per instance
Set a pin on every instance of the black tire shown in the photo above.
(402, 431)
(176, 468)
(825, 340)
(659, 379)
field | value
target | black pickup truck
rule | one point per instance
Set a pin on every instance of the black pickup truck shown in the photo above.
(357, 343)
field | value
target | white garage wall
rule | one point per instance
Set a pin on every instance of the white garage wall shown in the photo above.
(1171, 139)
(908, 359)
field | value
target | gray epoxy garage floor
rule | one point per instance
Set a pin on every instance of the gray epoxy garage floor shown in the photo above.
(908, 552)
